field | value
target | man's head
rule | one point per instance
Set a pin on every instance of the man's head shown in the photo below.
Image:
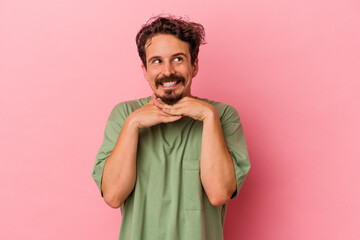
(168, 48)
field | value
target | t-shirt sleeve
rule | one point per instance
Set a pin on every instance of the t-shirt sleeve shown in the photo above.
(111, 134)
(235, 141)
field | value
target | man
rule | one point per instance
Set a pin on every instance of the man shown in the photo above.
(171, 161)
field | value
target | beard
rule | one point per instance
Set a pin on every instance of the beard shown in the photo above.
(170, 97)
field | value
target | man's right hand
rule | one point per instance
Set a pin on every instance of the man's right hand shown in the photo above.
(150, 115)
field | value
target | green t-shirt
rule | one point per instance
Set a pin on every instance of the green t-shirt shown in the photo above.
(168, 201)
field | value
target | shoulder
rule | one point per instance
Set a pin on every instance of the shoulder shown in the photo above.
(226, 111)
(123, 109)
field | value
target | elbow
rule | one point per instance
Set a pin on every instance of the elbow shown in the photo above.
(111, 201)
(219, 200)
(113, 204)
(222, 197)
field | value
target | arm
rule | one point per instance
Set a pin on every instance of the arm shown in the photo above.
(120, 168)
(216, 166)
(119, 175)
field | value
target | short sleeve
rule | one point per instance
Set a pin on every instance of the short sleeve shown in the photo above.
(111, 134)
(235, 141)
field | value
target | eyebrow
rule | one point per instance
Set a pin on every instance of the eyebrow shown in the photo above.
(174, 55)
(179, 54)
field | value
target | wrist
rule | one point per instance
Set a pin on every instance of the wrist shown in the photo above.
(132, 123)
(211, 115)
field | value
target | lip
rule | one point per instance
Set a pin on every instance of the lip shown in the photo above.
(170, 87)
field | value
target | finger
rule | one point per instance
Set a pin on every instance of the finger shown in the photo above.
(158, 104)
(161, 113)
(153, 97)
(173, 111)
(161, 104)
(168, 118)
(185, 99)
(179, 108)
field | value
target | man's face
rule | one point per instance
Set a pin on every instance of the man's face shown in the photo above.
(169, 70)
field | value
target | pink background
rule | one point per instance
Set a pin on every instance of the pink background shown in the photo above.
(291, 68)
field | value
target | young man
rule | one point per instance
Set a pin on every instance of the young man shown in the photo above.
(171, 161)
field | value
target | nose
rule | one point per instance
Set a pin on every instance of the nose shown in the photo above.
(167, 69)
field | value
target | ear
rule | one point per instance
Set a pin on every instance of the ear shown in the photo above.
(144, 72)
(195, 67)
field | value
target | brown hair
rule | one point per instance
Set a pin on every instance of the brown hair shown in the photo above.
(190, 32)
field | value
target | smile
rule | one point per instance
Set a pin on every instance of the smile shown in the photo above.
(172, 84)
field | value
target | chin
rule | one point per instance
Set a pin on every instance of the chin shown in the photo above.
(171, 99)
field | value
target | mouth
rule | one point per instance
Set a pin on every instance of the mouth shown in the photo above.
(172, 84)
(168, 82)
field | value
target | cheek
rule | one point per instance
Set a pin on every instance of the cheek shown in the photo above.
(150, 78)
(153, 76)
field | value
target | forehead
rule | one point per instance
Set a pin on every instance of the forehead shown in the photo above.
(165, 45)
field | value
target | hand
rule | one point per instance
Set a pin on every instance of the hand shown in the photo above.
(188, 106)
(150, 115)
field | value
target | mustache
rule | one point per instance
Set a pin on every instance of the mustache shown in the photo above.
(170, 78)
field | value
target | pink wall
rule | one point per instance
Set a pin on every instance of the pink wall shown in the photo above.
(291, 68)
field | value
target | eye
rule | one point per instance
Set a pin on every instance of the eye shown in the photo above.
(178, 59)
(156, 61)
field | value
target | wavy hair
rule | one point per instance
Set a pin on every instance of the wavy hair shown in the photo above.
(190, 32)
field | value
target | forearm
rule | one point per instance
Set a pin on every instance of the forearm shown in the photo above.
(216, 165)
(119, 174)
